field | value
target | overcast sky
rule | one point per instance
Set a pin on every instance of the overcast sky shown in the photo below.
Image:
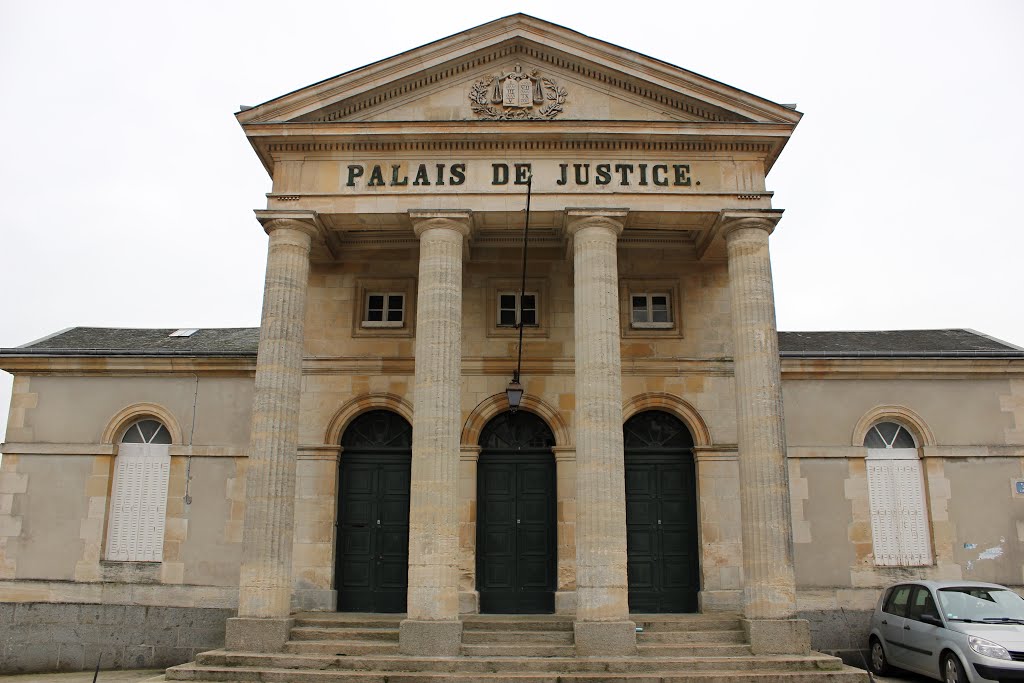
(129, 187)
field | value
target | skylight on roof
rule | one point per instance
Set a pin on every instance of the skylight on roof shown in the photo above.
(184, 332)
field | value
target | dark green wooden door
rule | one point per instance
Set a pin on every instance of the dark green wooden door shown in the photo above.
(661, 514)
(516, 528)
(372, 566)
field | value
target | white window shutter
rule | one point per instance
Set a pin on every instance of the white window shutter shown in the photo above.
(139, 503)
(899, 520)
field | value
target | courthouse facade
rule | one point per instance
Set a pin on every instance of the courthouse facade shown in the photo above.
(667, 455)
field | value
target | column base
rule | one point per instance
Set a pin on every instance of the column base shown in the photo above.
(610, 638)
(565, 602)
(249, 634)
(430, 638)
(778, 636)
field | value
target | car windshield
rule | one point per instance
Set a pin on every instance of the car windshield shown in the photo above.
(971, 603)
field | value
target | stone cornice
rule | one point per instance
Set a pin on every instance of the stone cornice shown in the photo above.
(118, 364)
(899, 368)
(245, 366)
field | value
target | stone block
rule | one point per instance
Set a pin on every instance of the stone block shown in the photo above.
(71, 657)
(605, 638)
(138, 657)
(565, 602)
(6, 613)
(469, 602)
(32, 658)
(46, 613)
(777, 636)
(430, 638)
(257, 635)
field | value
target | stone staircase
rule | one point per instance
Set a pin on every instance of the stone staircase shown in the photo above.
(363, 648)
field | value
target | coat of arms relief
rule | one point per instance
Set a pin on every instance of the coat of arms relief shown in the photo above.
(517, 96)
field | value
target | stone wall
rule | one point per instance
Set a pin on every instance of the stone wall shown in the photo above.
(841, 633)
(38, 637)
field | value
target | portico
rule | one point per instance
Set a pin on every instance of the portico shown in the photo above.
(649, 282)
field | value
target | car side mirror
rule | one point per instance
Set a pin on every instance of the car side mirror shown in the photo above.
(931, 619)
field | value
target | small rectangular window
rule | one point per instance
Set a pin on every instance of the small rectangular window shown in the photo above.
(651, 310)
(384, 309)
(513, 306)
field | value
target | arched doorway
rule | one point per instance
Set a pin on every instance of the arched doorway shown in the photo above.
(516, 564)
(372, 565)
(661, 514)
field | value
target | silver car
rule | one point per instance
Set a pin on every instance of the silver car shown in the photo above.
(953, 631)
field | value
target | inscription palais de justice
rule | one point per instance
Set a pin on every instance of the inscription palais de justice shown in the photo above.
(579, 174)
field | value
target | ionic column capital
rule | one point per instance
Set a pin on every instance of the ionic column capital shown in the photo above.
(460, 221)
(758, 219)
(612, 219)
(307, 222)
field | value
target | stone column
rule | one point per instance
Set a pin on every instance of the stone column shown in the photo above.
(433, 627)
(602, 624)
(769, 588)
(265, 584)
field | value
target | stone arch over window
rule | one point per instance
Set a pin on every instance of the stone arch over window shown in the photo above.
(675, 406)
(495, 405)
(899, 415)
(897, 496)
(138, 498)
(362, 404)
(129, 415)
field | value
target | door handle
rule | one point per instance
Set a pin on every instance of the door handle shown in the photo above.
(906, 627)
(884, 622)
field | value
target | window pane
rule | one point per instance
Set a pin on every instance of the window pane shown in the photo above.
(375, 307)
(640, 309)
(395, 315)
(887, 430)
(507, 301)
(529, 301)
(874, 439)
(897, 603)
(162, 436)
(529, 317)
(659, 309)
(903, 440)
(395, 301)
(133, 435)
(507, 317)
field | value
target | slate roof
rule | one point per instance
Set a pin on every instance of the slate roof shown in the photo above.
(117, 341)
(243, 341)
(895, 344)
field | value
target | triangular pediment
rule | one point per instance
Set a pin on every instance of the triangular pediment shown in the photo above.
(518, 68)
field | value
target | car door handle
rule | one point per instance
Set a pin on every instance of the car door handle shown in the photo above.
(906, 627)
(884, 622)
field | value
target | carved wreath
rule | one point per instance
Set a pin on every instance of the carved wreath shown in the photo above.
(554, 96)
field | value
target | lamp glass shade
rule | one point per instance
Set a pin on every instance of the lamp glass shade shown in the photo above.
(514, 392)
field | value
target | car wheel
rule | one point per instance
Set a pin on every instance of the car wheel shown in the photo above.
(879, 663)
(953, 670)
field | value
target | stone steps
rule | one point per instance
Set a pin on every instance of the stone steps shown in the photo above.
(190, 672)
(487, 664)
(330, 648)
(347, 648)
(344, 633)
(476, 636)
(679, 637)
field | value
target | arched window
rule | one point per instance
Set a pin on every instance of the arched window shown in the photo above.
(138, 502)
(899, 513)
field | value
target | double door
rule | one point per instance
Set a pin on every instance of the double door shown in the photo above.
(372, 567)
(661, 533)
(516, 537)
